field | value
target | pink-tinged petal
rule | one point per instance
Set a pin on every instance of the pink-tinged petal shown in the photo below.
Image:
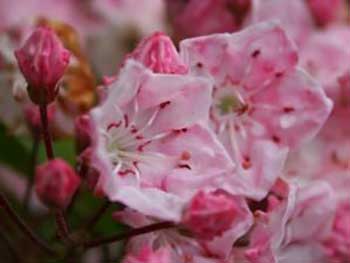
(295, 228)
(308, 252)
(131, 218)
(325, 55)
(209, 158)
(248, 58)
(293, 109)
(158, 53)
(147, 255)
(123, 89)
(313, 214)
(183, 100)
(148, 201)
(294, 16)
(259, 163)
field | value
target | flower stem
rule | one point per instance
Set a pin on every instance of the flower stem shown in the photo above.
(46, 132)
(61, 223)
(62, 226)
(128, 234)
(4, 204)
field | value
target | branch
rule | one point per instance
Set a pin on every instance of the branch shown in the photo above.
(128, 234)
(4, 204)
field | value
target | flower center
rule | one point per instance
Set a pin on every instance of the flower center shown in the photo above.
(125, 142)
(229, 104)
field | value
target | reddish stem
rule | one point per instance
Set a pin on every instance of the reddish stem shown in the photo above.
(4, 204)
(61, 223)
(62, 226)
(46, 132)
(128, 234)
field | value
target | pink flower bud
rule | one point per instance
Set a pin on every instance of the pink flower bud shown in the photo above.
(42, 60)
(147, 255)
(83, 132)
(55, 183)
(210, 214)
(325, 11)
(159, 54)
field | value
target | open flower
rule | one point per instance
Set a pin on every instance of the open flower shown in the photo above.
(262, 104)
(143, 133)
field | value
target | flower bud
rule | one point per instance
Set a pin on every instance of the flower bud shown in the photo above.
(42, 61)
(210, 214)
(55, 183)
(158, 53)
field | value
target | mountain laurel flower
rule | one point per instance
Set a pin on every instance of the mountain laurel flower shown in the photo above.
(148, 134)
(263, 105)
(210, 214)
(42, 61)
(55, 183)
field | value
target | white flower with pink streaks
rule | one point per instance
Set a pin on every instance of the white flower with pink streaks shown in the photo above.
(262, 105)
(145, 130)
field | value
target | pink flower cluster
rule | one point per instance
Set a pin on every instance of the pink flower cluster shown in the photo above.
(237, 133)
(200, 137)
